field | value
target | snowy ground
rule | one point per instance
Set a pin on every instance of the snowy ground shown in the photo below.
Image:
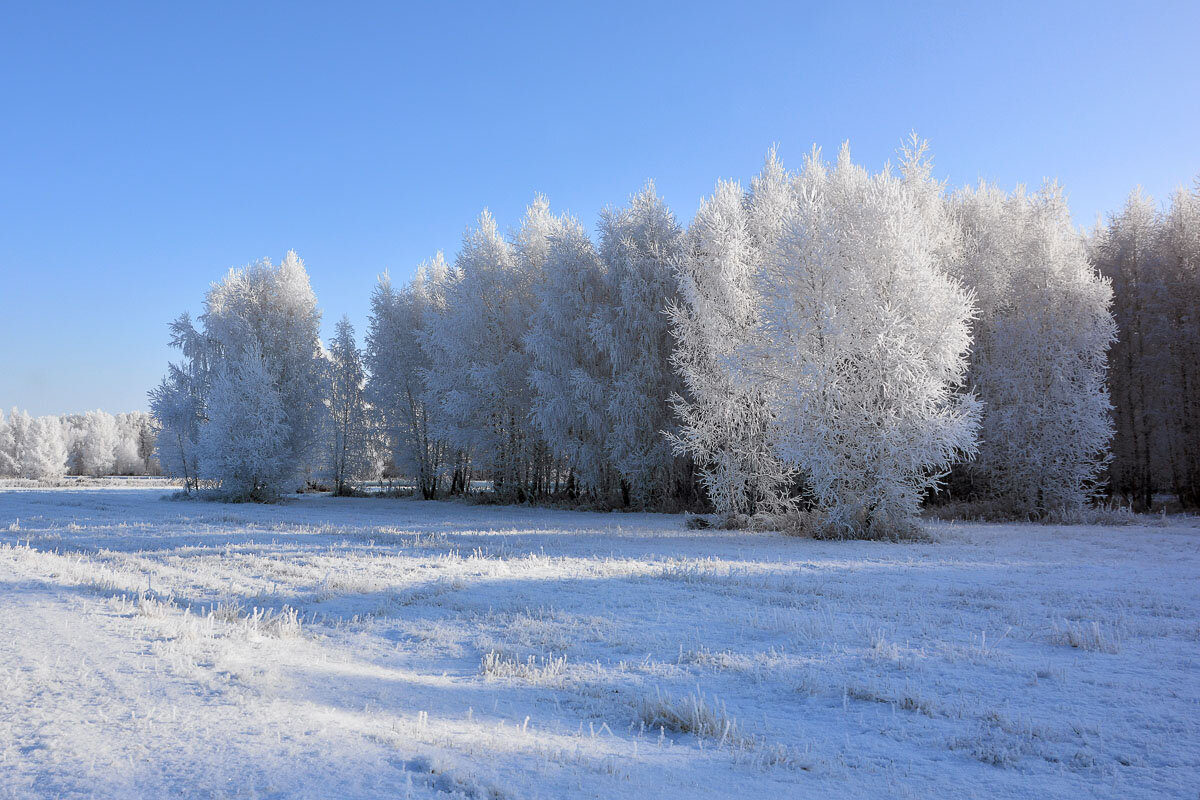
(394, 648)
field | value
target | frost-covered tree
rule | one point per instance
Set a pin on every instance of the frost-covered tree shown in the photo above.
(353, 454)
(177, 404)
(863, 344)
(98, 443)
(43, 449)
(9, 463)
(269, 311)
(725, 424)
(1039, 355)
(1151, 258)
(639, 246)
(1179, 252)
(478, 372)
(272, 309)
(464, 346)
(398, 364)
(244, 442)
(18, 440)
(147, 442)
(1127, 252)
(133, 430)
(569, 374)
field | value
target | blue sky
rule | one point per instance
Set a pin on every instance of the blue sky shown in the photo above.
(146, 149)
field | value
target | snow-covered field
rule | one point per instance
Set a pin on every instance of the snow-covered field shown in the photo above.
(394, 648)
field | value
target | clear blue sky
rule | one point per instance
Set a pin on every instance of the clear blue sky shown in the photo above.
(147, 148)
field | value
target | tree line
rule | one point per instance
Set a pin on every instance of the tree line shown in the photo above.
(826, 345)
(95, 443)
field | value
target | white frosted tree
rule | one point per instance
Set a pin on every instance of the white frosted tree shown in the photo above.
(478, 373)
(353, 454)
(244, 443)
(639, 246)
(1039, 355)
(44, 454)
(132, 430)
(464, 345)
(726, 422)
(272, 309)
(9, 463)
(271, 312)
(1179, 253)
(1153, 260)
(98, 443)
(1127, 252)
(863, 344)
(19, 440)
(569, 374)
(177, 404)
(398, 364)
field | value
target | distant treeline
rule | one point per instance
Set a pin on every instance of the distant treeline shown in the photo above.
(95, 443)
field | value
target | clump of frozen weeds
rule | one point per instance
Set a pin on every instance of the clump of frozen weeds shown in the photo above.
(1087, 636)
(692, 714)
(540, 670)
(698, 716)
(266, 622)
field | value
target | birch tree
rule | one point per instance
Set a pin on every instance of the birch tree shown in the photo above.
(862, 352)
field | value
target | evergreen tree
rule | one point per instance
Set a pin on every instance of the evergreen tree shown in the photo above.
(352, 453)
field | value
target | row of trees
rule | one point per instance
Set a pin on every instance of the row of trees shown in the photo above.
(827, 342)
(95, 443)
(539, 361)
(1153, 261)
